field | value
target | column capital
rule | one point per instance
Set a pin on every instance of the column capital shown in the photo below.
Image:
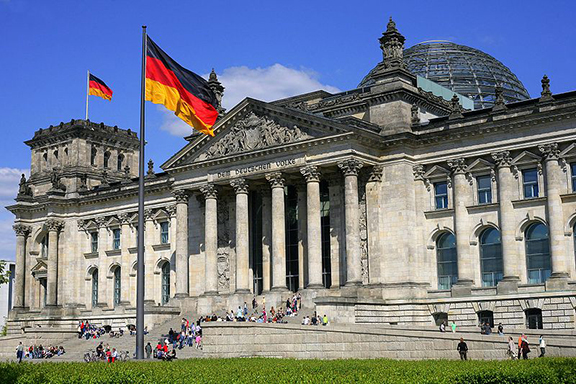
(310, 173)
(181, 196)
(275, 179)
(209, 191)
(54, 225)
(100, 221)
(458, 165)
(240, 185)
(124, 218)
(21, 229)
(549, 151)
(148, 213)
(350, 167)
(171, 209)
(376, 173)
(502, 158)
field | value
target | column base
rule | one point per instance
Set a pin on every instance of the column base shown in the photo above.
(315, 286)
(557, 282)
(353, 283)
(101, 305)
(279, 289)
(462, 288)
(509, 284)
(181, 296)
(210, 293)
(242, 291)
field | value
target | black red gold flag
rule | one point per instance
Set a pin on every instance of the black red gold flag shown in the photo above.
(180, 90)
(99, 88)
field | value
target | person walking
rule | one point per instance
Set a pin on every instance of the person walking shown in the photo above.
(148, 349)
(542, 346)
(19, 352)
(525, 349)
(453, 326)
(522, 336)
(463, 349)
(442, 327)
(511, 348)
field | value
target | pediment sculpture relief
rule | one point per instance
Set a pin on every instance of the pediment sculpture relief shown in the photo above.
(253, 132)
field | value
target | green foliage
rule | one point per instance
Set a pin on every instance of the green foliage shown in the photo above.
(260, 370)
(4, 274)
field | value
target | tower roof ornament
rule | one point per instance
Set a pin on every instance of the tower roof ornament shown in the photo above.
(546, 94)
(218, 89)
(392, 45)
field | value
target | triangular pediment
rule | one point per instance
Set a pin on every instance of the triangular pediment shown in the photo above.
(480, 165)
(436, 171)
(526, 157)
(39, 266)
(254, 126)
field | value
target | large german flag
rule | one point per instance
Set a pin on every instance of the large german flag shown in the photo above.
(180, 90)
(97, 87)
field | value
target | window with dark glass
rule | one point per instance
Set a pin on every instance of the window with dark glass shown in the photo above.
(484, 189)
(446, 260)
(93, 153)
(164, 232)
(537, 253)
(117, 286)
(491, 257)
(534, 318)
(486, 317)
(291, 204)
(44, 250)
(256, 233)
(94, 288)
(530, 183)
(116, 238)
(573, 176)
(94, 241)
(120, 162)
(106, 159)
(165, 283)
(325, 234)
(441, 195)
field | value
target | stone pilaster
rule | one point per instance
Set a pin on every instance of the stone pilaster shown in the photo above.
(181, 197)
(150, 291)
(125, 258)
(350, 169)
(242, 238)
(313, 228)
(102, 262)
(506, 186)
(278, 232)
(373, 224)
(555, 216)
(22, 232)
(465, 263)
(53, 226)
(211, 239)
(336, 233)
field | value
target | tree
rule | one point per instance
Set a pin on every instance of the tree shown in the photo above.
(4, 274)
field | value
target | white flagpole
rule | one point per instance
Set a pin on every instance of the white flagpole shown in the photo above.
(87, 91)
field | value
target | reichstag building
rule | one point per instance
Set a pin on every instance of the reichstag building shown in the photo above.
(437, 189)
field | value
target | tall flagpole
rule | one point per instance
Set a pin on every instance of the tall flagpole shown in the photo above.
(87, 91)
(140, 260)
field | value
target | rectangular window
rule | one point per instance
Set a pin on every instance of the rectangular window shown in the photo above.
(94, 241)
(441, 195)
(484, 189)
(116, 238)
(573, 174)
(164, 232)
(530, 183)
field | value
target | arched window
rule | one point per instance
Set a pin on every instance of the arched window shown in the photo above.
(120, 162)
(93, 153)
(165, 283)
(106, 159)
(95, 288)
(44, 249)
(491, 257)
(446, 260)
(117, 286)
(537, 253)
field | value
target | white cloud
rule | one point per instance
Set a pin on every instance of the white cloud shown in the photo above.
(9, 178)
(267, 84)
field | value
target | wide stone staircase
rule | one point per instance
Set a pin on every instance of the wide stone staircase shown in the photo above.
(76, 348)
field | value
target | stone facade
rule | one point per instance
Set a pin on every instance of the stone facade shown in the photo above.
(376, 204)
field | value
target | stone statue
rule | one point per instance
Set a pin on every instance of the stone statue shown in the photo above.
(23, 188)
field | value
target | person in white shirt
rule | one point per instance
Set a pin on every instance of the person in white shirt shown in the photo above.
(542, 346)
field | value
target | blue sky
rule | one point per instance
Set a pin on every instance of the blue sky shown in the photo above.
(262, 49)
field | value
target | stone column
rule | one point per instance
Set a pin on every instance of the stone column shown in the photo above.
(313, 228)
(460, 191)
(181, 243)
(336, 230)
(373, 224)
(242, 239)
(211, 239)
(22, 232)
(278, 232)
(103, 244)
(555, 216)
(125, 259)
(350, 168)
(53, 227)
(506, 187)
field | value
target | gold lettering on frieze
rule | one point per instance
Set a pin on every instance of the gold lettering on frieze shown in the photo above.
(266, 167)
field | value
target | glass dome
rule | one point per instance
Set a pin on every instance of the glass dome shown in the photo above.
(462, 69)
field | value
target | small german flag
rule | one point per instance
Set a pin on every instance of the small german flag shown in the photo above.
(97, 87)
(180, 90)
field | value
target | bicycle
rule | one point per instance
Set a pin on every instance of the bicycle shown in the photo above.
(124, 356)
